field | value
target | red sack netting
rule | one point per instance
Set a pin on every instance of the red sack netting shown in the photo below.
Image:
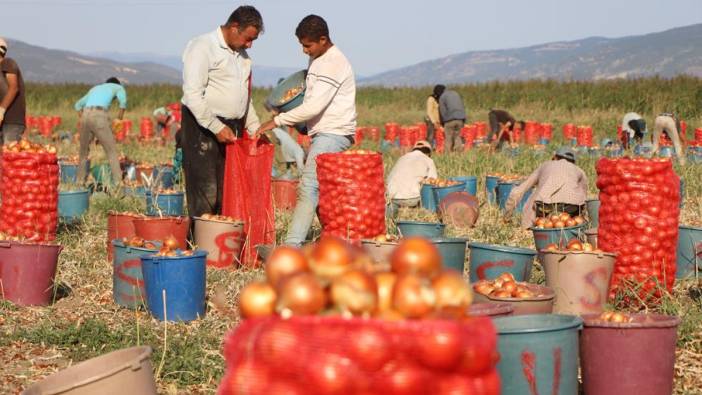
(468, 135)
(546, 131)
(531, 133)
(569, 131)
(247, 193)
(331, 355)
(146, 129)
(351, 194)
(391, 131)
(440, 137)
(584, 136)
(29, 192)
(638, 220)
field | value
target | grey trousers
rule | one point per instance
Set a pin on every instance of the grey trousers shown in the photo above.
(97, 123)
(11, 132)
(667, 124)
(454, 142)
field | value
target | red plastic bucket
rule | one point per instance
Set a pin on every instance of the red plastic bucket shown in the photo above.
(284, 193)
(159, 228)
(637, 357)
(27, 272)
(119, 225)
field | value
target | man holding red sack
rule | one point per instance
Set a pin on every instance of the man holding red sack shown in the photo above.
(217, 105)
(329, 108)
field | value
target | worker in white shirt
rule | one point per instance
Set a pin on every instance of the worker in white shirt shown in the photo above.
(405, 179)
(217, 105)
(669, 124)
(329, 109)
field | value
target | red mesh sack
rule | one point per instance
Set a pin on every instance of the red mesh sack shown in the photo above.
(351, 194)
(247, 193)
(391, 131)
(638, 220)
(440, 137)
(331, 355)
(29, 192)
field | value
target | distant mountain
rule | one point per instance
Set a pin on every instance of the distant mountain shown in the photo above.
(668, 53)
(263, 75)
(40, 64)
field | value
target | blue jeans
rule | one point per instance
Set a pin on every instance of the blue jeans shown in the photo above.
(308, 191)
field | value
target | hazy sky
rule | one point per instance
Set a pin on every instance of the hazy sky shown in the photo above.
(375, 35)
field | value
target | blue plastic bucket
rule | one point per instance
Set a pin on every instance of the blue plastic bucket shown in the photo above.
(139, 190)
(277, 95)
(423, 229)
(490, 186)
(180, 281)
(593, 212)
(503, 191)
(73, 204)
(69, 172)
(163, 176)
(558, 236)
(170, 204)
(441, 192)
(689, 254)
(538, 353)
(471, 183)
(127, 279)
(543, 141)
(488, 261)
(427, 197)
(102, 174)
(642, 149)
(666, 151)
(453, 252)
(614, 153)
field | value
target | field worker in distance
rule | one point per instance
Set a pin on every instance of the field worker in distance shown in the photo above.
(432, 118)
(216, 105)
(405, 179)
(560, 186)
(12, 104)
(453, 117)
(287, 151)
(93, 113)
(502, 125)
(669, 124)
(329, 109)
(633, 129)
(166, 125)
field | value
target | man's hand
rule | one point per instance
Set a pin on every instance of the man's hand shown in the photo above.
(270, 125)
(226, 135)
(437, 126)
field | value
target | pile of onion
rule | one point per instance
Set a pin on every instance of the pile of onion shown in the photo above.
(504, 286)
(334, 277)
(558, 220)
(169, 248)
(573, 245)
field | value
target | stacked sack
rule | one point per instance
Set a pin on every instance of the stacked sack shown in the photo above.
(638, 220)
(29, 189)
(351, 194)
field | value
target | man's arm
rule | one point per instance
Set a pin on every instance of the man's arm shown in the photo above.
(122, 98)
(517, 193)
(12, 91)
(195, 72)
(252, 121)
(81, 102)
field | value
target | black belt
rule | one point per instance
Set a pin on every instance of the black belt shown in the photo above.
(235, 124)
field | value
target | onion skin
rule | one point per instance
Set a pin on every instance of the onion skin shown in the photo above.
(330, 258)
(386, 283)
(415, 255)
(451, 291)
(301, 294)
(257, 300)
(356, 292)
(413, 296)
(284, 261)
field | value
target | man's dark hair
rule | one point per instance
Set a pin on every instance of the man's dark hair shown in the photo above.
(426, 151)
(563, 157)
(246, 16)
(438, 91)
(113, 80)
(312, 27)
(521, 124)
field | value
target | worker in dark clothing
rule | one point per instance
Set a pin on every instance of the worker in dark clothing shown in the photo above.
(502, 125)
(453, 117)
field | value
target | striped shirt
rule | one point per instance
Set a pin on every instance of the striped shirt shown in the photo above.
(329, 105)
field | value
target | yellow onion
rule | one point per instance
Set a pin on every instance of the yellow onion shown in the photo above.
(356, 292)
(300, 294)
(257, 300)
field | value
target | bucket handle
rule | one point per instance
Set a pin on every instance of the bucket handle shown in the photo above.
(5, 244)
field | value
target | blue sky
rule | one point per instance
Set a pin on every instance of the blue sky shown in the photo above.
(376, 35)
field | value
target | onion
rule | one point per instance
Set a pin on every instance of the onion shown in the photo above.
(257, 300)
(413, 296)
(330, 257)
(283, 262)
(300, 294)
(386, 283)
(170, 242)
(451, 291)
(415, 255)
(509, 286)
(356, 292)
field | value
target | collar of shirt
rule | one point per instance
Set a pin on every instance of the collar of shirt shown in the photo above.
(219, 37)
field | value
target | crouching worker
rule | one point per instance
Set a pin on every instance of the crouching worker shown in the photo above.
(405, 179)
(670, 125)
(560, 186)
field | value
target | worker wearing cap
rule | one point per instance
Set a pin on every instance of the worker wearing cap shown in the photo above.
(12, 103)
(560, 186)
(165, 121)
(669, 124)
(633, 129)
(405, 179)
(93, 112)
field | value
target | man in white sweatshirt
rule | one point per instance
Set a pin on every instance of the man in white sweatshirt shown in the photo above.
(329, 109)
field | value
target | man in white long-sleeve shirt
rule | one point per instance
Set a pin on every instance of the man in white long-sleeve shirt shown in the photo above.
(405, 179)
(217, 105)
(329, 109)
